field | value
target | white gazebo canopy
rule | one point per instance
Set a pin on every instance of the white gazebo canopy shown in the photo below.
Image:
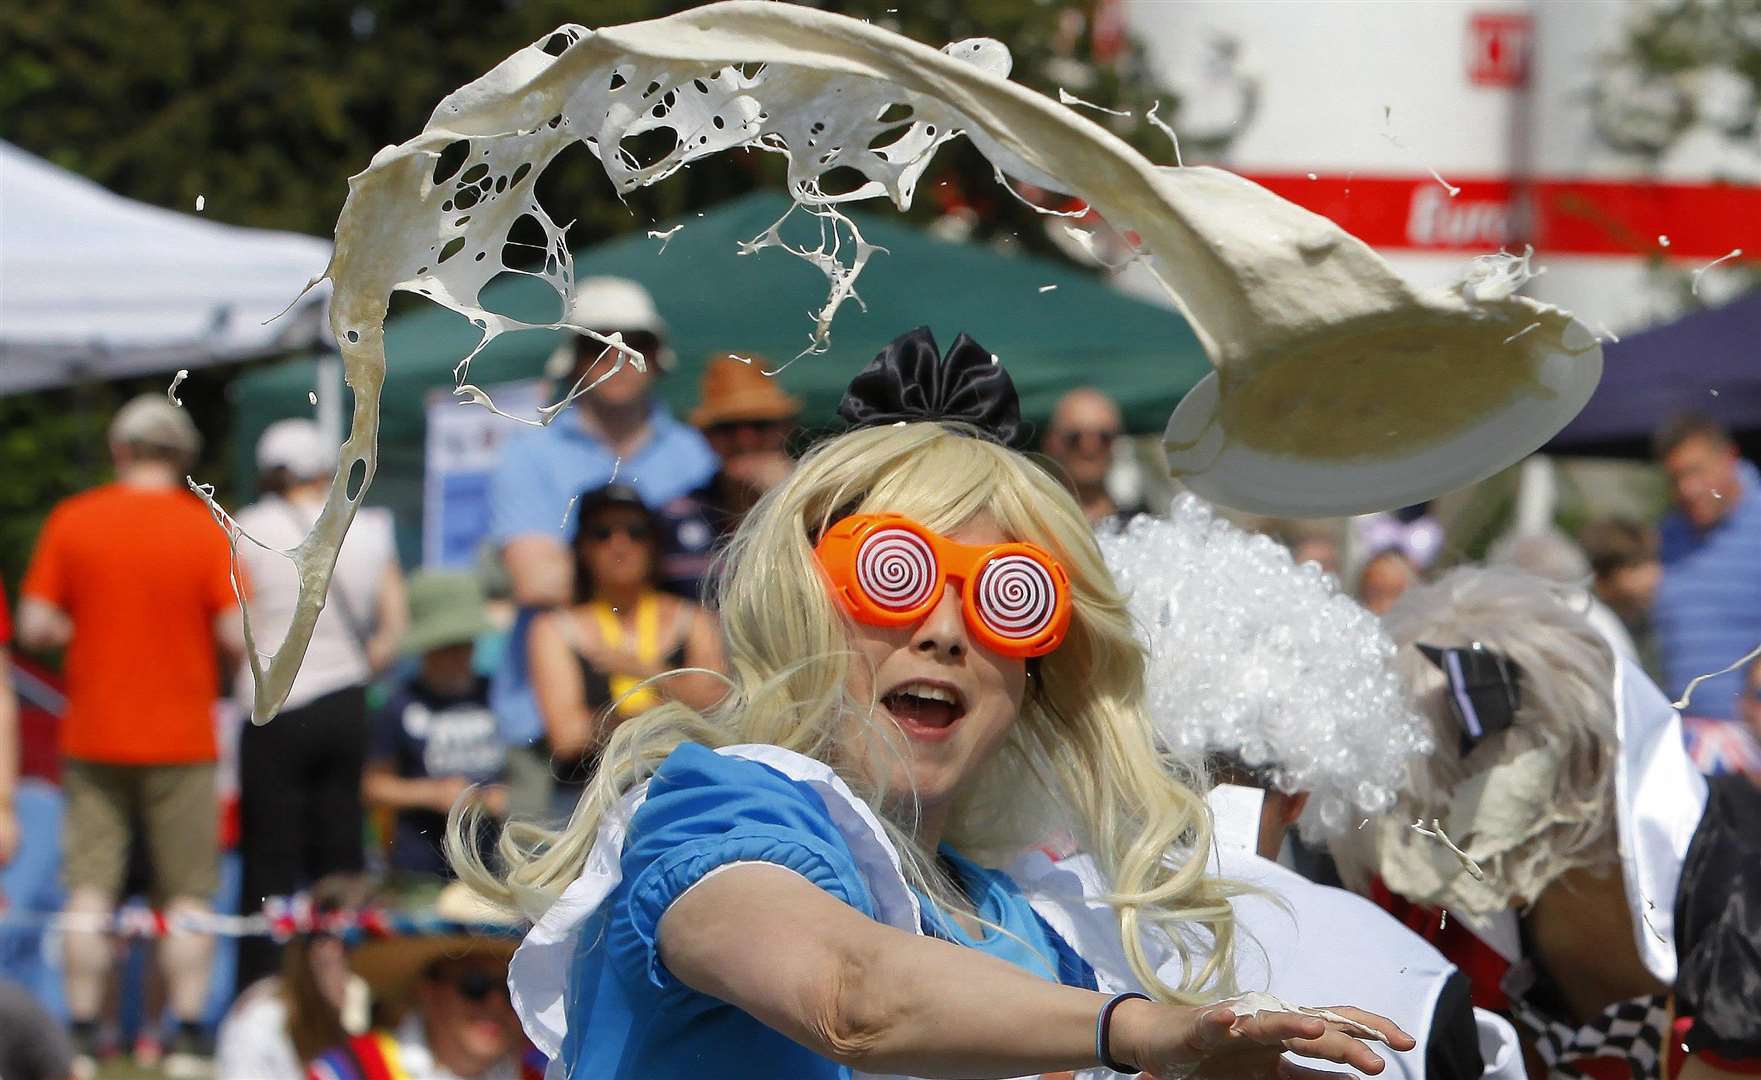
(96, 286)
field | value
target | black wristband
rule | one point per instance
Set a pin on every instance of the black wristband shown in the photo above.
(1103, 1023)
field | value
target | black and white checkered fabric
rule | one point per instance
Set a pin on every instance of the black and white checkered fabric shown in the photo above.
(1632, 1031)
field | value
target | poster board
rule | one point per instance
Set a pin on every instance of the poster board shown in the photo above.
(461, 447)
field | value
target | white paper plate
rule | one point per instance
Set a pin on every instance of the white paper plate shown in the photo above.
(1224, 471)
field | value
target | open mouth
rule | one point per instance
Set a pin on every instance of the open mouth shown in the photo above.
(925, 709)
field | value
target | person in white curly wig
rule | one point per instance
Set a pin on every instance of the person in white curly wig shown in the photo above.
(1542, 840)
(1287, 689)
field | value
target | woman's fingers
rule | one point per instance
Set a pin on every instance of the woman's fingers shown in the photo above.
(1389, 1030)
(1335, 1045)
(1313, 1037)
(1277, 1027)
(1290, 1070)
(1253, 1042)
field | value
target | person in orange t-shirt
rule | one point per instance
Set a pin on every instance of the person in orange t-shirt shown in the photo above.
(134, 580)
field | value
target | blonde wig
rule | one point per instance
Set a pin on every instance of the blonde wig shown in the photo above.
(1080, 759)
(1531, 802)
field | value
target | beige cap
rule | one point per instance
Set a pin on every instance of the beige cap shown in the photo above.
(151, 420)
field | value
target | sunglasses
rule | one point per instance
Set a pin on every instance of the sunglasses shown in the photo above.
(1073, 439)
(640, 340)
(638, 531)
(741, 427)
(1483, 687)
(887, 570)
(476, 986)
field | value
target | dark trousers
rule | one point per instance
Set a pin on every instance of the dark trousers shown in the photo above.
(300, 814)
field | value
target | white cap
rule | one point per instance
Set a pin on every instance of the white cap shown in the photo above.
(151, 420)
(297, 446)
(606, 305)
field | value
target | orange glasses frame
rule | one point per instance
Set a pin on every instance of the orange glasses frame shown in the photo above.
(919, 564)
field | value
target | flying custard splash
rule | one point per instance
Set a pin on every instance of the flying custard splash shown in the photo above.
(1289, 307)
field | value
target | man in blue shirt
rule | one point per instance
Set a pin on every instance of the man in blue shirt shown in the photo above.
(615, 430)
(1708, 612)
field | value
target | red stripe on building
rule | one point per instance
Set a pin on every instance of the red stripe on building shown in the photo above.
(1560, 217)
(1604, 218)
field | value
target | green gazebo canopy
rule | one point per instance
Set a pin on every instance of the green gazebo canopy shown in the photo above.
(1053, 325)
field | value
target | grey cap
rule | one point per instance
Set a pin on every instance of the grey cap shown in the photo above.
(150, 420)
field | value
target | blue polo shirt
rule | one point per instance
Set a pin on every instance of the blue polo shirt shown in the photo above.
(530, 493)
(1708, 610)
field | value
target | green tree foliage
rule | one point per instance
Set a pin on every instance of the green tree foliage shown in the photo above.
(266, 108)
(1686, 68)
(52, 444)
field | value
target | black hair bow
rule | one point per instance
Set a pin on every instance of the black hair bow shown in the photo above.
(911, 381)
(1483, 686)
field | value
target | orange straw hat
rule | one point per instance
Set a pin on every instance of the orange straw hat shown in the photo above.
(735, 387)
(458, 924)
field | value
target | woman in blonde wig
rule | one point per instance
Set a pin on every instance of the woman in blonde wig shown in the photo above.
(930, 667)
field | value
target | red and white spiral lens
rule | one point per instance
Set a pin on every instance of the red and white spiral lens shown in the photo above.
(896, 570)
(1016, 597)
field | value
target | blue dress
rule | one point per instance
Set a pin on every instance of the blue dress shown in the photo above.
(629, 1018)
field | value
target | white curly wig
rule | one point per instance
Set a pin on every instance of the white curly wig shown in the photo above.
(1261, 660)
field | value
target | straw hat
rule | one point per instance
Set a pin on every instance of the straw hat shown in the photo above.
(736, 388)
(460, 924)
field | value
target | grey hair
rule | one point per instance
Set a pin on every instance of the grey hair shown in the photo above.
(1549, 554)
(1567, 708)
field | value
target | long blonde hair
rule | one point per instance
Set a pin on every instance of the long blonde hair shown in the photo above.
(1081, 757)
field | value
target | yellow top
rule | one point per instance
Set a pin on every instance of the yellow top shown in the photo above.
(629, 700)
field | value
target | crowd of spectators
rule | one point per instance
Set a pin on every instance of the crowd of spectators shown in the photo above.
(604, 526)
(1680, 597)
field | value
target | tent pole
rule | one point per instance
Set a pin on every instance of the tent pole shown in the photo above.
(1537, 496)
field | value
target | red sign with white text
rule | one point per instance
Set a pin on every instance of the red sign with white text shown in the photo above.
(1560, 217)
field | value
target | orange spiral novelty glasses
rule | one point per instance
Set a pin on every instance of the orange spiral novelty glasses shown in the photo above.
(887, 570)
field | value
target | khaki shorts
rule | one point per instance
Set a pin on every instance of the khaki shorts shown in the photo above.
(174, 807)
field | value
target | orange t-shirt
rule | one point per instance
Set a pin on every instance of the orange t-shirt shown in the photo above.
(142, 574)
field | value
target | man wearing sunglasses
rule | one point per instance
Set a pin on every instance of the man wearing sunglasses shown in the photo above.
(747, 418)
(446, 972)
(1079, 440)
(615, 430)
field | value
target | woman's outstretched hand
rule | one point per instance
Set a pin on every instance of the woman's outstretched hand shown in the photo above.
(1172, 1042)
